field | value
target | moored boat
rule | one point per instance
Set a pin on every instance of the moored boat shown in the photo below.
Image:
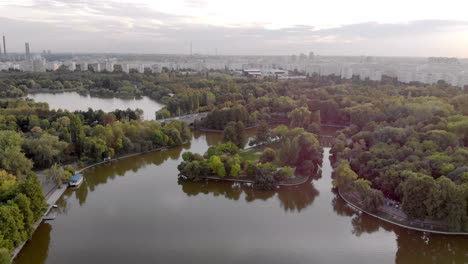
(76, 180)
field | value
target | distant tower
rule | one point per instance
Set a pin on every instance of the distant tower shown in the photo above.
(28, 55)
(4, 46)
(190, 48)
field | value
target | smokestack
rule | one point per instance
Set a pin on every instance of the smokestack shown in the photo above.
(4, 46)
(28, 56)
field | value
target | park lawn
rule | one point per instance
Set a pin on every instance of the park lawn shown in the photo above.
(251, 154)
(254, 154)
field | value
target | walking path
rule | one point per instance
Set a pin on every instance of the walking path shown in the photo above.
(190, 119)
(397, 217)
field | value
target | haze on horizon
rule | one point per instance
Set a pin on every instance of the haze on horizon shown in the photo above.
(333, 27)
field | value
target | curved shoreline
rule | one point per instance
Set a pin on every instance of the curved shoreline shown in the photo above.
(398, 224)
(19, 248)
(252, 181)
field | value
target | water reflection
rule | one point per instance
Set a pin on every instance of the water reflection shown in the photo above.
(291, 198)
(412, 246)
(38, 252)
(137, 207)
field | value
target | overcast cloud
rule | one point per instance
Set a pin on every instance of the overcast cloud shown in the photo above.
(165, 27)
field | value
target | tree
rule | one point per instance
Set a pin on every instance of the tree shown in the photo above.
(263, 135)
(300, 117)
(372, 199)
(57, 174)
(265, 176)
(234, 132)
(344, 176)
(10, 226)
(7, 181)
(45, 150)
(24, 206)
(159, 138)
(235, 169)
(222, 149)
(11, 157)
(31, 188)
(95, 148)
(15, 162)
(5, 257)
(268, 155)
(285, 172)
(417, 195)
(280, 131)
(217, 166)
(77, 133)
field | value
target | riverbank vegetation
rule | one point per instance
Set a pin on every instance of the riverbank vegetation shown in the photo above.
(48, 136)
(408, 145)
(296, 152)
(32, 137)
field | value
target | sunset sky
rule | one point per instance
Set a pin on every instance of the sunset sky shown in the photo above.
(332, 27)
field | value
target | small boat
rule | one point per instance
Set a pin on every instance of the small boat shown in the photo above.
(54, 206)
(76, 180)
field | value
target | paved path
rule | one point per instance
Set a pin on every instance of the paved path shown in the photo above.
(397, 217)
(187, 118)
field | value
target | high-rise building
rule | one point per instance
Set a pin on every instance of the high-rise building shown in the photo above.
(28, 55)
(4, 46)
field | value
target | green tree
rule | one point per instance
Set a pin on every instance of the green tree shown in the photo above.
(5, 257)
(217, 166)
(300, 117)
(15, 162)
(31, 188)
(263, 135)
(235, 169)
(57, 174)
(24, 206)
(417, 195)
(344, 176)
(45, 150)
(268, 155)
(285, 172)
(234, 132)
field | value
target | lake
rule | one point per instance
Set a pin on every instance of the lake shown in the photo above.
(73, 101)
(138, 211)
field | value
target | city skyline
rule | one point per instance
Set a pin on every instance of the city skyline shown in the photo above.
(237, 28)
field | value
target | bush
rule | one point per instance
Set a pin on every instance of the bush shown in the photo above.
(285, 172)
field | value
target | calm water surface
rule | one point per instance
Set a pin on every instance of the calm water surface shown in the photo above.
(73, 101)
(137, 211)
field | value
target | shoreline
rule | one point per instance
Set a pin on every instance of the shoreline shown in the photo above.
(54, 194)
(213, 178)
(353, 205)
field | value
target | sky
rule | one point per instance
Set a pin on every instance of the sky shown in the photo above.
(242, 27)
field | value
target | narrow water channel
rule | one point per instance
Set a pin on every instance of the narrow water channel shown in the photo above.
(137, 211)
